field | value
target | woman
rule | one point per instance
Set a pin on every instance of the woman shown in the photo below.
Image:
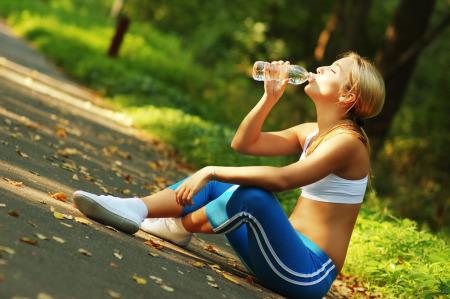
(298, 256)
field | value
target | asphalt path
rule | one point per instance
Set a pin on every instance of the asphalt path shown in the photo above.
(57, 137)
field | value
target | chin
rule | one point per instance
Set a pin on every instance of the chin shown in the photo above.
(307, 89)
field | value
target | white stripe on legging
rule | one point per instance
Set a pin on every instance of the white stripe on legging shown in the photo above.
(277, 259)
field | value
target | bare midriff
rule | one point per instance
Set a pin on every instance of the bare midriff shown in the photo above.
(328, 225)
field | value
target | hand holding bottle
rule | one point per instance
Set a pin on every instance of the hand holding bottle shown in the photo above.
(274, 89)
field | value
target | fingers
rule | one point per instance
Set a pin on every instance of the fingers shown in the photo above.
(281, 62)
(183, 196)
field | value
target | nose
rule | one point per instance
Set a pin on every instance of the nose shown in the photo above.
(319, 70)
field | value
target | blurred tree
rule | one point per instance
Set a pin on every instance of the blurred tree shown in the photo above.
(405, 39)
(121, 28)
(345, 30)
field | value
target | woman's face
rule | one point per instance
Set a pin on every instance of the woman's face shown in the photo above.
(329, 80)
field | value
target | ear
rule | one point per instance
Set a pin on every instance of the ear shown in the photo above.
(347, 99)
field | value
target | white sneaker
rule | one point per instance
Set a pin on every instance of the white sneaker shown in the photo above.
(109, 210)
(167, 229)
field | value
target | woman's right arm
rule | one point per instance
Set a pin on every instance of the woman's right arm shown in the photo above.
(249, 139)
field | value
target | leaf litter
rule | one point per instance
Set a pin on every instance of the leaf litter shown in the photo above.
(161, 283)
(61, 196)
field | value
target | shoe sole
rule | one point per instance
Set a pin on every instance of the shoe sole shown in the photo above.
(97, 212)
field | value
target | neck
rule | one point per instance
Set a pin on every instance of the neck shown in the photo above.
(327, 119)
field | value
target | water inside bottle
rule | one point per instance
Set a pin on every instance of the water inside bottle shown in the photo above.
(296, 74)
(258, 71)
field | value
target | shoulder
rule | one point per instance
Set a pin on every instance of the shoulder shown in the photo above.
(345, 154)
(343, 144)
(303, 131)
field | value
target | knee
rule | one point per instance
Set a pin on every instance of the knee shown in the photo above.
(252, 197)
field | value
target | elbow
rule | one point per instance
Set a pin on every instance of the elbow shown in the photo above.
(278, 185)
(234, 146)
(281, 182)
(237, 147)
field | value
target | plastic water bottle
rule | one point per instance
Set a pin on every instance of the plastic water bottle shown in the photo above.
(265, 71)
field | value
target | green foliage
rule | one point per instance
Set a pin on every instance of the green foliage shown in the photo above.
(396, 259)
(205, 143)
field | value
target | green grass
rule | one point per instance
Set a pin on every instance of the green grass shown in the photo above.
(160, 86)
(395, 259)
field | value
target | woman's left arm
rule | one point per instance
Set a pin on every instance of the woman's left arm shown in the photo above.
(332, 156)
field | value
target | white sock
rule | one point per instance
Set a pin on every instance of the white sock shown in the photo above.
(140, 207)
(134, 205)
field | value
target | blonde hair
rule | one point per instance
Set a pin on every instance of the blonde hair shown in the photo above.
(366, 83)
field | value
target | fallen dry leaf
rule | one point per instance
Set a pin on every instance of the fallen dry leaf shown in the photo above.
(82, 221)
(215, 267)
(44, 296)
(67, 152)
(153, 254)
(139, 280)
(111, 228)
(61, 133)
(153, 244)
(4, 262)
(212, 249)
(198, 264)
(85, 252)
(22, 154)
(59, 240)
(18, 184)
(156, 279)
(58, 215)
(13, 213)
(126, 191)
(213, 285)
(114, 265)
(7, 250)
(70, 217)
(117, 254)
(59, 196)
(228, 276)
(28, 240)
(75, 177)
(41, 236)
(113, 294)
(249, 279)
(167, 288)
(69, 167)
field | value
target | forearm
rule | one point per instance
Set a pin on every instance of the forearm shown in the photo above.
(250, 128)
(266, 177)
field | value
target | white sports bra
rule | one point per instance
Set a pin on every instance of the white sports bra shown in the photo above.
(332, 188)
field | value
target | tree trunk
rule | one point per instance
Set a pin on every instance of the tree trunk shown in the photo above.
(408, 28)
(345, 31)
(121, 28)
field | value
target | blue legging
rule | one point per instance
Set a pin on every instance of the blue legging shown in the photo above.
(258, 230)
